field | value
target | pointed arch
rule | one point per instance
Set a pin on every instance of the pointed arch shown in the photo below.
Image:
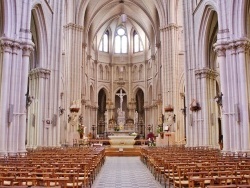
(135, 75)
(92, 94)
(141, 75)
(107, 73)
(41, 44)
(207, 36)
(102, 96)
(100, 72)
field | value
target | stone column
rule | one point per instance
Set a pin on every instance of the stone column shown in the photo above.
(221, 52)
(38, 89)
(6, 50)
(169, 58)
(26, 49)
(73, 60)
(242, 49)
(206, 80)
(12, 128)
(13, 132)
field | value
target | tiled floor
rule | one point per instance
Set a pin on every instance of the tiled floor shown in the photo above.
(125, 172)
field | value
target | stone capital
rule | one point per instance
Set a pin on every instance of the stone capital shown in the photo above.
(242, 45)
(6, 44)
(16, 47)
(206, 73)
(220, 49)
(27, 50)
(39, 73)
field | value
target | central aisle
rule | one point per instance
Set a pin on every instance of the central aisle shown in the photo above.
(125, 172)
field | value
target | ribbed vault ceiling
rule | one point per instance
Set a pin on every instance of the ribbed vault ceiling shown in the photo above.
(142, 14)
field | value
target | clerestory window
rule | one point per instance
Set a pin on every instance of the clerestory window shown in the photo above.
(138, 47)
(121, 41)
(104, 44)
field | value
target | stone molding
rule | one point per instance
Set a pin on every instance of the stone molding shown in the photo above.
(84, 45)
(206, 73)
(158, 45)
(169, 27)
(25, 30)
(153, 57)
(74, 26)
(223, 31)
(39, 73)
(89, 57)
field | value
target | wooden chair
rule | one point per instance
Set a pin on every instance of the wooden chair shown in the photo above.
(85, 175)
(75, 144)
(182, 179)
(72, 179)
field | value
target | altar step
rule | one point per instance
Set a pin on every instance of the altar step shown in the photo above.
(136, 151)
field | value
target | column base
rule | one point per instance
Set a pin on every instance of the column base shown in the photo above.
(3, 153)
(22, 152)
(12, 153)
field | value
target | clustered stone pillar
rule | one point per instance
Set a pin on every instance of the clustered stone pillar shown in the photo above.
(6, 50)
(235, 112)
(243, 46)
(26, 49)
(13, 101)
(221, 56)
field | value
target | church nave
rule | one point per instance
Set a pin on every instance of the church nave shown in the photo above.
(125, 172)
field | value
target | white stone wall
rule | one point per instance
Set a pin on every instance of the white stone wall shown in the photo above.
(231, 46)
(193, 51)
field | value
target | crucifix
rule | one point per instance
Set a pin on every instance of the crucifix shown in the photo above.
(121, 98)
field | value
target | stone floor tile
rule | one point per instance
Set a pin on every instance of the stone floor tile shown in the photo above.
(125, 172)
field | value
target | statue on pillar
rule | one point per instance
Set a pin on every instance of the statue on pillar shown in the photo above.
(120, 112)
(169, 121)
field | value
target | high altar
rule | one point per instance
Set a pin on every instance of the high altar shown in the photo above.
(120, 137)
(122, 141)
(121, 128)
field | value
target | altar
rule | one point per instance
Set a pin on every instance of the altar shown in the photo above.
(121, 133)
(122, 141)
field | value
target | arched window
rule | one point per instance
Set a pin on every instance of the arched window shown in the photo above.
(101, 72)
(104, 44)
(141, 72)
(138, 47)
(107, 72)
(121, 41)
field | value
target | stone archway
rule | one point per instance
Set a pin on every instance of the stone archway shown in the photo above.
(139, 97)
(101, 121)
